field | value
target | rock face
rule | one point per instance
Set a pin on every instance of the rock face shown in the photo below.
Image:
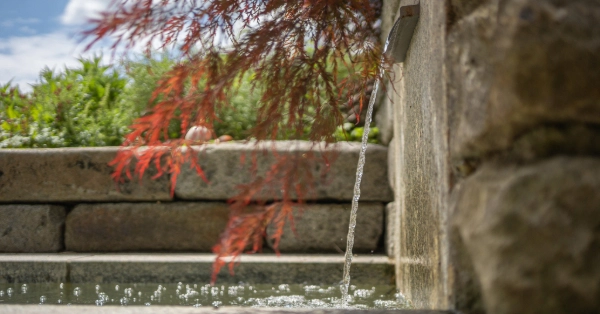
(145, 227)
(70, 174)
(497, 129)
(31, 228)
(516, 65)
(324, 227)
(533, 234)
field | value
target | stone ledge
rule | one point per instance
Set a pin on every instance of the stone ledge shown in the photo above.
(69, 175)
(83, 174)
(31, 228)
(172, 268)
(92, 309)
(225, 172)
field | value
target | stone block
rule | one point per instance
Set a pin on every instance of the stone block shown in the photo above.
(519, 64)
(31, 228)
(69, 174)
(225, 171)
(114, 227)
(532, 233)
(324, 228)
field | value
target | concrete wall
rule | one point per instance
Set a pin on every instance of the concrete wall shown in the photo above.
(495, 156)
(54, 200)
(419, 160)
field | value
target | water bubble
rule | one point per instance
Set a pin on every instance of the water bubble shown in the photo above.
(77, 291)
(42, 299)
(62, 285)
(147, 304)
(59, 301)
(97, 288)
(216, 304)
(103, 297)
(24, 288)
(124, 301)
(1, 293)
(284, 287)
(116, 287)
(9, 291)
(140, 294)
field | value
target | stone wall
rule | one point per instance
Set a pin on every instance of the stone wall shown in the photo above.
(495, 156)
(54, 200)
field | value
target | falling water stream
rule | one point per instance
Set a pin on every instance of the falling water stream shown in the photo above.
(359, 173)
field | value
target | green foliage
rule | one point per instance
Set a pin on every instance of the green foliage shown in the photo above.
(76, 107)
(236, 118)
(92, 105)
(349, 132)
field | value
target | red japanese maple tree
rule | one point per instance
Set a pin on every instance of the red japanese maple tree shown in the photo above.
(296, 48)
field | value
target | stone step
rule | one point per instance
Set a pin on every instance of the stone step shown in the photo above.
(196, 268)
(92, 309)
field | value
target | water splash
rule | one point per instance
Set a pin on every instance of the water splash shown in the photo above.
(359, 174)
(196, 295)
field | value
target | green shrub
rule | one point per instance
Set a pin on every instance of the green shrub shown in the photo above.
(348, 132)
(79, 106)
(93, 105)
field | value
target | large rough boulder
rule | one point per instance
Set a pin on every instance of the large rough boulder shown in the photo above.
(516, 65)
(533, 235)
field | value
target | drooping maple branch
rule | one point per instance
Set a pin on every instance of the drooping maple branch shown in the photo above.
(308, 59)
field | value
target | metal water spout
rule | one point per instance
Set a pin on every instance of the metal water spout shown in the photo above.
(402, 32)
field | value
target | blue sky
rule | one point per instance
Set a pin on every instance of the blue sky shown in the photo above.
(39, 33)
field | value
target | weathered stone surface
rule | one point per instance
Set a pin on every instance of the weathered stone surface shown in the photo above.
(324, 228)
(390, 240)
(533, 235)
(93, 309)
(517, 65)
(421, 175)
(123, 227)
(51, 309)
(69, 174)
(31, 228)
(225, 172)
(29, 272)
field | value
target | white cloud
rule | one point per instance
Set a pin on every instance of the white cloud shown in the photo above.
(18, 21)
(22, 58)
(79, 12)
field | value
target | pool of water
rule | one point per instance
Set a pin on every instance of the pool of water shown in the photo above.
(186, 294)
